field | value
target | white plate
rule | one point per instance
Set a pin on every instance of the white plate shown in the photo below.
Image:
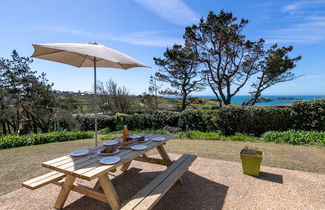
(79, 153)
(110, 143)
(110, 160)
(144, 141)
(136, 136)
(158, 138)
(139, 147)
(112, 153)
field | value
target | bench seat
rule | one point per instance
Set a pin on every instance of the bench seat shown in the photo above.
(153, 192)
(42, 180)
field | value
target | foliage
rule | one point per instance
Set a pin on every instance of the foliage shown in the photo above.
(309, 115)
(113, 98)
(275, 68)
(249, 120)
(231, 60)
(193, 120)
(107, 137)
(27, 102)
(253, 120)
(248, 150)
(198, 135)
(11, 141)
(150, 99)
(295, 137)
(180, 68)
(104, 131)
(172, 130)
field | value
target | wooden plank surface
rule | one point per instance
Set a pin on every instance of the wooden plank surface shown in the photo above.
(88, 167)
(43, 180)
(150, 200)
(140, 196)
(103, 169)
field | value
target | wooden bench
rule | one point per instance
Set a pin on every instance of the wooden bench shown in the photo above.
(153, 192)
(42, 180)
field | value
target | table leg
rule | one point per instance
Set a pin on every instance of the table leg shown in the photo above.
(109, 192)
(125, 166)
(65, 190)
(97, 186)
(164, 155)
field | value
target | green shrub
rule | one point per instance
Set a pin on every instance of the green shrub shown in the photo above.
(41, 138)
(240, 137)
(253, 120)
(198, 135)
(156, 120)
(197, 120)
(170, 129)
(250, 120)
(309, 115)
(107, 137)
(104, 131)
(295, 137)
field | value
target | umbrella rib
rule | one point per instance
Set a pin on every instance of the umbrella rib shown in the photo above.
(123, 66)
(83, 60)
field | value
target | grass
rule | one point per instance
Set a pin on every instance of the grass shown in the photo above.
(20, 164)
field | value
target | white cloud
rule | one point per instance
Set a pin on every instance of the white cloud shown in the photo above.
(311, 31)
(174, 11)
(145, 38)
(313, 76)
(301, 4)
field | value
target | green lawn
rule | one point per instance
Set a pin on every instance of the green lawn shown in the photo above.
(22, 163)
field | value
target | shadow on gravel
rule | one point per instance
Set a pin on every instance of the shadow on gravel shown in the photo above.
(270, 177)
(197, 192)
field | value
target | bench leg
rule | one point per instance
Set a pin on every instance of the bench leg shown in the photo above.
(109, 192)
(65, 190)
(125, 166)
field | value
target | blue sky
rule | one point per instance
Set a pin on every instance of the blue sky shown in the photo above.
(144, 28)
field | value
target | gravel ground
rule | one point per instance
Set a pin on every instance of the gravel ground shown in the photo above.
(209, 184)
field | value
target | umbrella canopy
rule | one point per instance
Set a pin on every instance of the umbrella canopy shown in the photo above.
(86, 55)
(82, 55)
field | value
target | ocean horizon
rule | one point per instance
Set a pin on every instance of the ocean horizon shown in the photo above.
(276, 99)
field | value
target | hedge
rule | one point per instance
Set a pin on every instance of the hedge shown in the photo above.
(250, 120)
(295, 137)
(41, 138)
(309, 115)
(253, 120)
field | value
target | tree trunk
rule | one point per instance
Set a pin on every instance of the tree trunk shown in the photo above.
(184, 102)
(4, 129)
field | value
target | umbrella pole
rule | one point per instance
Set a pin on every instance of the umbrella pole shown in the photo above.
(95, 100)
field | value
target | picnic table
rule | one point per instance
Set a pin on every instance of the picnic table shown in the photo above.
(67, 169)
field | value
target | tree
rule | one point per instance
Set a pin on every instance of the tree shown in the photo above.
(40, 103)
(180, 68)
(27, 101)
(114, 98)
(231, 60)
(275, 68)
(151, 98)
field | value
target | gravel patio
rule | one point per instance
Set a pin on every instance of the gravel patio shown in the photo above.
(209, 184)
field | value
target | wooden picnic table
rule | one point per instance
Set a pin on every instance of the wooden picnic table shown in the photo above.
(67, 169)
(89, 168)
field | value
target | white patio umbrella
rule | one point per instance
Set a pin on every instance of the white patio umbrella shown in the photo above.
(86, 55)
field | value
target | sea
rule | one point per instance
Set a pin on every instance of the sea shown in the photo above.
(276, 99)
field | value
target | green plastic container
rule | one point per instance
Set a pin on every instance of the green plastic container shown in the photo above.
(252, 163)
